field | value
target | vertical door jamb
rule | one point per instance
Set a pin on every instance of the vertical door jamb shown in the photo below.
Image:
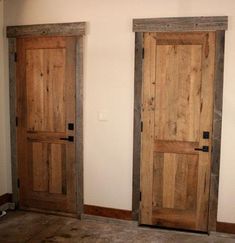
(217, 124)
(13, 119)
(79, 123)
(137, 124)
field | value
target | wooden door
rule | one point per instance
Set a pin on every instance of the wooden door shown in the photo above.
(177, 101)
(45, 90)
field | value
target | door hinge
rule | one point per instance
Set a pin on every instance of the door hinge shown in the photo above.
(140, 196)
(142, 53)
(141, 126)
(17, 121)
(15, 56)
(18, 183)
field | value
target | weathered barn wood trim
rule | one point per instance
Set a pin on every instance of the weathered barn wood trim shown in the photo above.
(64, 29)
(217, 123)
(13, 118)
(137, 124)
(79, 123)
(181, 24)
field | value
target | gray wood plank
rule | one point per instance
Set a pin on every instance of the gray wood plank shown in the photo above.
(79, 124)
(12, 93)
(181, 24)
(64, 29)
(217, 123)
(137, 124)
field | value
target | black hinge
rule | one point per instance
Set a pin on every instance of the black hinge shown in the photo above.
(140, 196)
(141, 126)
(18, 183)
(15, 56)
(142, 53)
(17, 121)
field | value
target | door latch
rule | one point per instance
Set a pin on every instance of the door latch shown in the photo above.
(203, 149)
(69, 138)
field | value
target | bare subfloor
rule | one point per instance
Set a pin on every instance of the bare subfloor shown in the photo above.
(21, 226)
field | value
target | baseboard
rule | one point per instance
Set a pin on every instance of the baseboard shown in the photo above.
(225, 227)
(5, 198)
(108, 212)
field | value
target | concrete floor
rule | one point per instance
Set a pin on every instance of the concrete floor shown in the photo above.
(19, 226)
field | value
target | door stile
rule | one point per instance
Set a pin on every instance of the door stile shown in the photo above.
(147, 138)
(206, 121)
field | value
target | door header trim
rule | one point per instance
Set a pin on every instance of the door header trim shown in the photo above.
(181, 24)
(64, 29)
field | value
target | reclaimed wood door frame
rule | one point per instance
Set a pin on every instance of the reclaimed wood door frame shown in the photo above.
(46, 30)
(217, 24)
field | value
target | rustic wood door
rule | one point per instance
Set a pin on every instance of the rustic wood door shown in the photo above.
(177, 102)
(45, 73)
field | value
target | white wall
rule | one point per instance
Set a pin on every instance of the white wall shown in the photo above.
(5, 173)
(109, 85)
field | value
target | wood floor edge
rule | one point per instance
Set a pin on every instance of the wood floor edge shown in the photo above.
(50, 212)
(5, 198)
(108, 212)
(225, 227)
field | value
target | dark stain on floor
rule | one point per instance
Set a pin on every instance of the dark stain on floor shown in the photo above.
(22, 227)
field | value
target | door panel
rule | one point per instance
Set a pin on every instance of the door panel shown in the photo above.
(174, 182)
(178, 83)
(39, 164)
(45, 107)
(48, 167)
(45, 79)
(177, 101)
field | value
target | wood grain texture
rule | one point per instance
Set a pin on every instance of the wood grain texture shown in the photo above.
(174, 181)
(207, 93)
(46, 104)
(175, 219)
(158, 168)
(217, 118)
(108, 212)
(137, 124)
(181, 24)
(147, 136)
(217, 123)
(45, 80)
(64, 29)
(180, 147)
(56, 162)
(12, 93)
(177, 106)
(178, 76)
(40, 166)
(169, 174)
(49, 30)
(79, 123)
